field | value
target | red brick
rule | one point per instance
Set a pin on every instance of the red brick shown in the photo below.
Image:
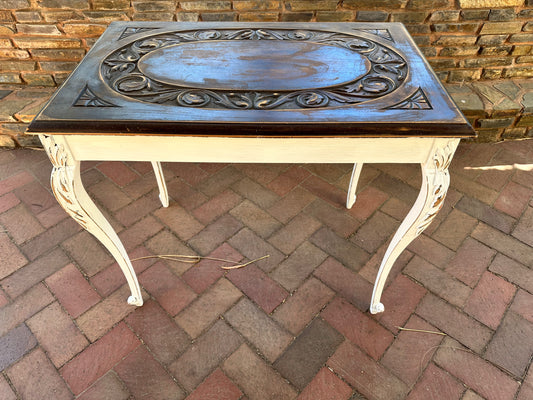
(375, 231)
(454, 229)
(50, 238)
(259, 329)
(169, 290)
(5, 390)
(211, 168)
(475, 372)
(296, 312)
(139, 232)
(526, 391)
(456, 324)
(470, 261)
(217, 386)
(494, 179)
(99, 358)
(490, 299)
(358, 327)
(255, 192)
(34, 272)
(204, 355)
(109, 195)
(35, 196)
(290, 236)
(512, 345)
(217, 206)
(431, 250)
(215, 234)
(486, 213)
(149, 382)
(220, 181)
(396, 208)
(257, 379)
(203, 312)
(326, 386)
(325, 191)
(511, 270)
(118, 172)
(367, 202)
(158, 331)
(142, 167)
(207, 271)
(365, 374)
(371, 267)
(189, 172)
(343, 250)
(8, 201)
(88, 252)
(253, 247)
(13, 182)
(291, 205)
(522, 305)
(140, 187)
(513, 199)
(23, 307)
(139, 208)
(62, 339)
(337, 219)
(409, 354)
(3, 299)
(438, 281)
(298, 266)
(288, 180)
(166, 242)
(111, 278)
(12, 259)
(99, 319)
(524, 229)
(436, 384)
(185, 195)
(15, 344)
(261, 173)
(52, 216)
(107, 387)
(473, 189)
(34, 377)
(256, 218)
(504, 244)
(329, 172)
(346, 283)
(400, 299)
(179, 221)
(255, 284)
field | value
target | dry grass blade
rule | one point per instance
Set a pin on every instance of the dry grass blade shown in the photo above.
(421, 331)
(195, 259)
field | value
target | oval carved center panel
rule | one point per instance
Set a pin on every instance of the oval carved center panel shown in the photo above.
(263, 69)
(253, 65)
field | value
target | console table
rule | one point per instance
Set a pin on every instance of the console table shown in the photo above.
(252, 92)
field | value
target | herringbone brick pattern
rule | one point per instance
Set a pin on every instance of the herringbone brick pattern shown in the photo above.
(291, 326)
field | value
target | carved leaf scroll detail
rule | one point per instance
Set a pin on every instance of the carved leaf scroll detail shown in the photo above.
(61, 180)
(417, 101)
(386, 73)
(88, 98)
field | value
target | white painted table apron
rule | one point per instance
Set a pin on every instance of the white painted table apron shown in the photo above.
(67, 151)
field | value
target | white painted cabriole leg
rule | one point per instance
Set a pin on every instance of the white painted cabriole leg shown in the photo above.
(435, 183)
(356, 172)
(163, 193)
(69, 192)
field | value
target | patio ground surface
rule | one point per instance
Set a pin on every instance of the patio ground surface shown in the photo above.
(292, 326)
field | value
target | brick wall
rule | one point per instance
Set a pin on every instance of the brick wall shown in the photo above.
(41, 41)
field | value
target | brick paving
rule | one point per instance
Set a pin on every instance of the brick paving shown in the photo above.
(293, 326)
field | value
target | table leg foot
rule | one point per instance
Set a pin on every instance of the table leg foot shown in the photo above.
(356, 172)
(163, 192)
(68, 189)
(135, 301)
(377, 308)
(435, 183)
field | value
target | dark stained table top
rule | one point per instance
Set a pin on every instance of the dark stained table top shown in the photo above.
(253, 79)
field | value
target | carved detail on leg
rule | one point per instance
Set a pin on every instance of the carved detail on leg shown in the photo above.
(356, 172)
(163, 192)
(435, 183)
(69, 192)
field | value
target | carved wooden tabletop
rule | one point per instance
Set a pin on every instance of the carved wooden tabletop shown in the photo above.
(278, 79)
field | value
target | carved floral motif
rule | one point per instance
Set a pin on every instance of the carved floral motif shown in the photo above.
(386, 73)
(417, 101)
(87, 98)
(61, 180)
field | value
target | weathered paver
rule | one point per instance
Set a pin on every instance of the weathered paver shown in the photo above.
(292, 326)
